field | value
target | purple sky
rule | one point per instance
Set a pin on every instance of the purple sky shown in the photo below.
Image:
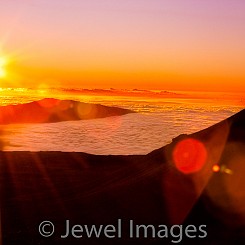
(175, 41)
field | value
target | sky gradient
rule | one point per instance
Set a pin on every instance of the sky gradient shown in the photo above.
(157, 44)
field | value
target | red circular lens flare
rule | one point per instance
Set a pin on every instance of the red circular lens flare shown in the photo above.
(189, 155)
(216, 168)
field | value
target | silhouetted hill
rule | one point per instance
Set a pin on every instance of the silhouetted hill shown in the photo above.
(198, 179)
(54, 110)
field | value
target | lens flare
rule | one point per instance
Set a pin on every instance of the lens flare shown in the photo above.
(189, 155)
(216, 168)
(3, 63)
(86, 111)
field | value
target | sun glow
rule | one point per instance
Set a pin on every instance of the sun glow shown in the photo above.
(3, 63)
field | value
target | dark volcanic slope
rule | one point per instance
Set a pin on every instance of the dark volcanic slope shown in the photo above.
(149, 189)
(54, 110)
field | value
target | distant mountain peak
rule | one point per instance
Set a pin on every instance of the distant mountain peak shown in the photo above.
(54, 110)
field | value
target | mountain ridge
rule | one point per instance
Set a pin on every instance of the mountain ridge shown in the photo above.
(51, 110)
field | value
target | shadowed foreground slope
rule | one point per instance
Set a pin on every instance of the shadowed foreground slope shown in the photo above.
(54, 110)
(176, 184)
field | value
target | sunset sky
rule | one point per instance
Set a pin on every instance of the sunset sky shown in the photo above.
(147, 44)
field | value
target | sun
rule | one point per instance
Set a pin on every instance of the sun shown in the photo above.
(3, 63)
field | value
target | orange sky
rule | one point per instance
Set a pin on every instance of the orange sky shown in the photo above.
(172, 45)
